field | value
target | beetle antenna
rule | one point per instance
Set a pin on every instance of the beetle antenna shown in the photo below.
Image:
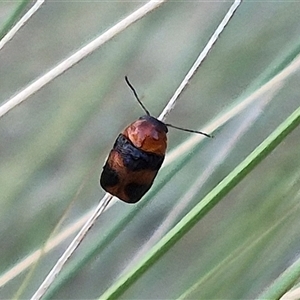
(137, 97)
(189, 130)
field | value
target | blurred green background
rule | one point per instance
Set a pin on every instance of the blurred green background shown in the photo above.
(58, 140)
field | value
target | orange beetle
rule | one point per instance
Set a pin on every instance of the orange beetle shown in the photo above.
(136, 157)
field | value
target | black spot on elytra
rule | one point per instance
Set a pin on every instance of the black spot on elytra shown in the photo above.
(136, 191)
(109, 177)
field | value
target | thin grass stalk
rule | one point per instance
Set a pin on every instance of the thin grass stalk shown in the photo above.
(13, 18)
(291, 295)
(22, 21)
(200, 59)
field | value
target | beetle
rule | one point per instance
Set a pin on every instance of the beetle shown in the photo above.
(136, 156)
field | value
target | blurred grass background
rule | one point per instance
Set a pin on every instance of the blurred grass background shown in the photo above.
(59, 139)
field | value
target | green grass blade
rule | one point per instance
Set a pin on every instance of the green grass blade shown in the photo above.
(205, 205)
(245, 249)
(283, 283)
